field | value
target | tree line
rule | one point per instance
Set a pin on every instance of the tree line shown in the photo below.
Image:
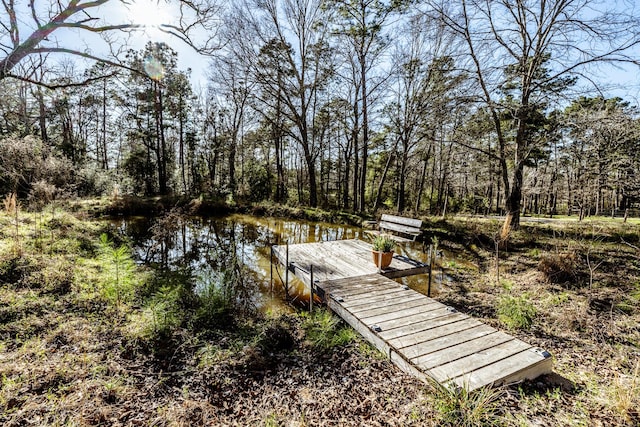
(413, 106)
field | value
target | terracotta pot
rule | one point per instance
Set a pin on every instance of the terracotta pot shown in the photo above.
(386, 258)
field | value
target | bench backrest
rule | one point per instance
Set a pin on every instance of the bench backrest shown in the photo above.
(400, 224)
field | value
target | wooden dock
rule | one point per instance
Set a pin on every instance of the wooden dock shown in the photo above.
(420, 335)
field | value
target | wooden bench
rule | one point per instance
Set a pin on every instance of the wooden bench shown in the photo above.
(399, 228)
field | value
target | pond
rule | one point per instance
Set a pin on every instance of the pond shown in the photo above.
(232, 254)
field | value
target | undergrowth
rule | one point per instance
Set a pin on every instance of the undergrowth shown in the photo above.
(459, 407)
(325, 331)
(516, 312)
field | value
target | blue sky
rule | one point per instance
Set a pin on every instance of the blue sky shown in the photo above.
(622, 80)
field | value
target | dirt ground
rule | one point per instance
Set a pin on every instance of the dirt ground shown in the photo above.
(67, 356)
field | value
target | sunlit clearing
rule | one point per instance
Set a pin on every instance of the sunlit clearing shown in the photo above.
(149, 13)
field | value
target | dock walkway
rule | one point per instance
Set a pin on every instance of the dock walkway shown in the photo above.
(420, 335)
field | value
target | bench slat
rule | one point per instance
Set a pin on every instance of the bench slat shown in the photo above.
(399, 228)
(409, 222)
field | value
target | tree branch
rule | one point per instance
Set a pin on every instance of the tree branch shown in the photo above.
(62, 85)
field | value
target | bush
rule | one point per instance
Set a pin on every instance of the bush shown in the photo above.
(13, 267)
(119, 281)
(214, 309)
(516, 312)
(559, 267)
(325, 331)
(460, 407)
(160, 317)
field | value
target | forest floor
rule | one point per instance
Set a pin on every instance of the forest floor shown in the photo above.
(85, 338)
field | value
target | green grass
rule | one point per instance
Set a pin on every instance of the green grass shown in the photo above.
(325, 331)
(463, 408)
(516, 312)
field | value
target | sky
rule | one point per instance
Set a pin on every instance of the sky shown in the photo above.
(152, 13)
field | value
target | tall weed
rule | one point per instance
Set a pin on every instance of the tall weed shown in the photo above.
(516, 312)
(325, 331)
(460, 407)
(119, 281)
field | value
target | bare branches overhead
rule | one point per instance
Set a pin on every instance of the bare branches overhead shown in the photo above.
(33, 29)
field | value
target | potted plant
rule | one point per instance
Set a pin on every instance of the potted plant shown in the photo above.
(382, 251)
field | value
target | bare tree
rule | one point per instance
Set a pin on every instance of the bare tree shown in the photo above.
(360, 24)
(230, 82)
(28, 30)
(291, 64)
(422, 87)
(522, 54)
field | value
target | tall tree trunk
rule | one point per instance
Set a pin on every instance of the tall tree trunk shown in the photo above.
(383, 178)
(232, 163)
(105, 159)
(42, 115)
(423, 176)
(514, 201)
(162, 143)
(345, 180)
(356, 162)
(311, 170)
(181, 142)
(402, 178)
(365, 135)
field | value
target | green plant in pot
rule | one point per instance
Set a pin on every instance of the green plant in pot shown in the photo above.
(382, 251)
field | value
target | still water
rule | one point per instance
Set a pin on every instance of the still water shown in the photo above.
(209, 251)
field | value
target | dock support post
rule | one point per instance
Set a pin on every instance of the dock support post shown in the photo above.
(271, 271)
(430, 261)
(311, 292)
(286, 270)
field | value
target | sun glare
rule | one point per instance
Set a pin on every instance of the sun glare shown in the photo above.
(149, 13)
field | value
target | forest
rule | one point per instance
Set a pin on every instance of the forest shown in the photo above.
(153, 152)
(352, 105)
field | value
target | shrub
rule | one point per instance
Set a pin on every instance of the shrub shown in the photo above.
(159, 318)
(559, 267)
(13, 266)
(516, 312)
(119, 281)
(461, 407)
(214, 309)
(325, 331)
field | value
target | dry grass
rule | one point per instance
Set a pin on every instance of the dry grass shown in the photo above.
(66, 357)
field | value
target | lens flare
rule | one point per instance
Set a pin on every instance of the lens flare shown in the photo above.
(153, 68)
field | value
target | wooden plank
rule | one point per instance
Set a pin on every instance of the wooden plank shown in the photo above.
(478, 360)
(416, 348)
(361, 296)
(358, 285)
(463, 330)
(456, 346)
(379, 299)
(519, 367)
(440, 319)
(434, 312)
(397, 314)
(399, 306)
(367, 281)
(398, 239)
